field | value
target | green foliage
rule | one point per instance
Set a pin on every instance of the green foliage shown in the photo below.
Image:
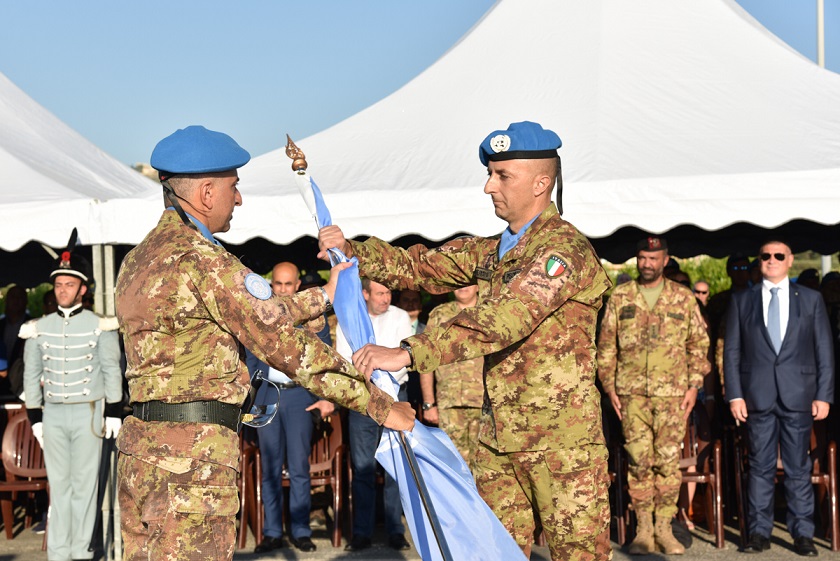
(706, 268)
(713, 271)
(709, 269)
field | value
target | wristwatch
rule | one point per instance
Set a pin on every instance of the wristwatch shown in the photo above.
(407, 348)
(427, 406)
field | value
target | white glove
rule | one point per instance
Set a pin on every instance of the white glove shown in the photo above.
(38, 433)
(112, 427)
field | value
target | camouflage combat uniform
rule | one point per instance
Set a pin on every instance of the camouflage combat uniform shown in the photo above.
(459, 391)
(184, 313)
(542, 442)
(650, 358)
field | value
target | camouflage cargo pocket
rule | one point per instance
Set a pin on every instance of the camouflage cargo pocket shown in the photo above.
(206, 500)
(200, 524)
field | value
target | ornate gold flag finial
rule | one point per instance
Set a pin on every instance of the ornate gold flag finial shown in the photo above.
(297, 156)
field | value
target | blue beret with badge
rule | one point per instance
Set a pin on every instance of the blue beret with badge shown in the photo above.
(196, 149)
(521, 141)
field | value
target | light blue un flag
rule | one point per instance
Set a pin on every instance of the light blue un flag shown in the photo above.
(470, 529)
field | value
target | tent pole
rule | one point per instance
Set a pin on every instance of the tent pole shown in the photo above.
(98, 302)
(821, 33)
(110, 308)
(825, 260)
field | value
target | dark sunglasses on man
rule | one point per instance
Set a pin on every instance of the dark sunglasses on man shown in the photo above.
(776, 256)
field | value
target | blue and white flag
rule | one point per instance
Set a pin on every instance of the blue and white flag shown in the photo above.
(470, 529)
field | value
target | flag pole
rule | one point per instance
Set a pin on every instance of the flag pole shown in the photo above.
(299, 166)
(426, 499)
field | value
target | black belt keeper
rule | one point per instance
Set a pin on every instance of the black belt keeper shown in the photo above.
(215, 412)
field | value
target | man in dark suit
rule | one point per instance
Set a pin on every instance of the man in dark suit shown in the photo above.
(287, 439)
(779, 365)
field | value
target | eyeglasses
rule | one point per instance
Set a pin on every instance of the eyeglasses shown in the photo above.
(701, 292)
(740, 267)
(777, 256)
(260, 415)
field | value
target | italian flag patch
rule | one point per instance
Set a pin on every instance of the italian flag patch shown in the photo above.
(555, 266)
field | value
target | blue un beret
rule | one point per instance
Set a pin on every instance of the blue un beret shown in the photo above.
(198, 150)
(521, 141)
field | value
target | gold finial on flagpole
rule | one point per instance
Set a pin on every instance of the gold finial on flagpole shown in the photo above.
(297, 156)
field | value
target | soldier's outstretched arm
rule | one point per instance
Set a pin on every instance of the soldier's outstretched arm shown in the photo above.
(243, 304)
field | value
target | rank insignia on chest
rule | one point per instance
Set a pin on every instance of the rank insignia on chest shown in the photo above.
(555, 266)
(483, 274)
(257, 286)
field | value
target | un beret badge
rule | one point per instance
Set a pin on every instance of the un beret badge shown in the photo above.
(555, 266)
(257, 286)
(500, 143)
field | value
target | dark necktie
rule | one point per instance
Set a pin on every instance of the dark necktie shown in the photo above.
(774, 321)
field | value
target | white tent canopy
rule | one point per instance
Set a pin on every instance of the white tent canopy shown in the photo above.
(51, 178)
(671, 112)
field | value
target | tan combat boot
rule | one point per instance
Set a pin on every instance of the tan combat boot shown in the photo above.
(665, 538)
(643, 544)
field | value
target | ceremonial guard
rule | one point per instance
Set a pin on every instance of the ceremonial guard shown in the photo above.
(72, 370)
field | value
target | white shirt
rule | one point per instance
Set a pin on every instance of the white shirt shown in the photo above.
(784, 301)
(278, 377)
(389, 329)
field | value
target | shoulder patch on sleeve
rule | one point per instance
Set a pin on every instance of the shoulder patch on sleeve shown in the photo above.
(29, 329)
(257, 286)
(555, 266)
(108, 323)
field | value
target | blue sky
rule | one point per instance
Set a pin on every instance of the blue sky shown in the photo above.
(125, 74)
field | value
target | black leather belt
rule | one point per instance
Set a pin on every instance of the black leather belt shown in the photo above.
(216, 412)
(287, 385)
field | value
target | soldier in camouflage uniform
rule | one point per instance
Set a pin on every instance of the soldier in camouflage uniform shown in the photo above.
(540, 285)
(186, 308)
(652, 358)
(75, 355)
(454, 393)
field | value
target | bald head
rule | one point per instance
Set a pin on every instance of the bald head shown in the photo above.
(284, 278)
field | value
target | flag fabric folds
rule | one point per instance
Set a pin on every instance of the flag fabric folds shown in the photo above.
(470, 529)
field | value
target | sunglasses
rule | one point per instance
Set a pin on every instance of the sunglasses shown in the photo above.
(740, 267)
(777, 256)
(701, 292)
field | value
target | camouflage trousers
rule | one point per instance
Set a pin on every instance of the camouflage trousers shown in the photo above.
(183, 516)
(461, 425)
(567, 488)
(653, 431)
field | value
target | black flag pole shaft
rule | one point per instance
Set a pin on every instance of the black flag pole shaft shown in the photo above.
(426, 499)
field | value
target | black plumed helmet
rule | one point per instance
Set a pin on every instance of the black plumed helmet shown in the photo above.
(73, 264)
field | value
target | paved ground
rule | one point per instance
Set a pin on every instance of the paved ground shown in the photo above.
(26, 546)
